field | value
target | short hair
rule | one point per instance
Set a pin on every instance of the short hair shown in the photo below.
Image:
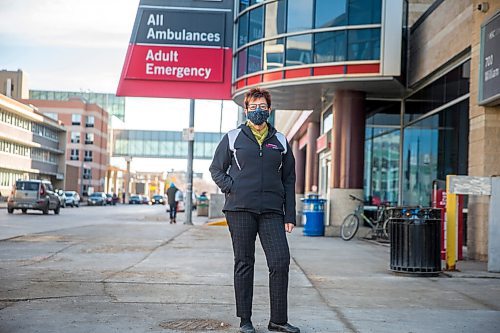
(255, 93)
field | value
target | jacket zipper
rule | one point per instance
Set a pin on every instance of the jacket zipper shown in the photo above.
(261, 177)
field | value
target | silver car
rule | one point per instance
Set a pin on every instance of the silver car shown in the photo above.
(34, 194)
(72, 198)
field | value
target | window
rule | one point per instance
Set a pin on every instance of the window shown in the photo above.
(243, 30)
(433, 148)
(363, 44)
(87, 173)
(90, 121)
(88, 156)
(89, 138)
(327, 122)
(75, 137)
(255, 28)
(447, 88)
(242, 62)
(330, 13)
(76, 119)
(300, 15)
(17, 121)
(14, 148)
(364, 11)
(274, 53)
(275, 18)
(255, 58)
(298, 50)
(330, 46)
(74, 155)
(244, 4)
(382, 156)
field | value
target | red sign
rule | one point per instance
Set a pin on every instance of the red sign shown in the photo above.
(173, 63)
(179, 52)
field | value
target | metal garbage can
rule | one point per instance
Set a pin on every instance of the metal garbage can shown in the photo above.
(202, 206)
(314, 215)
(415, 240)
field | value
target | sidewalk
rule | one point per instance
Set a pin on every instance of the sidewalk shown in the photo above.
(120, 281)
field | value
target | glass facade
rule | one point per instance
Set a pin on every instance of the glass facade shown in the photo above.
(363, 44)
(349, 31)
(298, 50)
(275, 22)
(330, 13)
(299, 15)
(163, 144)
(364, 11)
(434, 147)
(382, 156)
(113, 104)
(434, 138)
(274, 53)
(329, 46)
(444, 90)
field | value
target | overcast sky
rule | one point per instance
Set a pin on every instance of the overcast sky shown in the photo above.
(81, 45)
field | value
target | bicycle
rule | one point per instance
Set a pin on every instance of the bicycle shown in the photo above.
(350, 225)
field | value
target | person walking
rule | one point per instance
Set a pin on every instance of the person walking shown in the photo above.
(255, 168)
(172, 203)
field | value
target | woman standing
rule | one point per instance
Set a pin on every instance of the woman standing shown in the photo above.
(254, 166)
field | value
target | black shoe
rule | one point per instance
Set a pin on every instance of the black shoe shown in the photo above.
(283, 328)
(247, 328)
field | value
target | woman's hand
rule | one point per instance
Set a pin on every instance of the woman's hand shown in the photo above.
(289, 227)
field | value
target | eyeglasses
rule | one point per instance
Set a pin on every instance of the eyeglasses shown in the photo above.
(252, 107)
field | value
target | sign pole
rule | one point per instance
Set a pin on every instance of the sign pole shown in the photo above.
(451, 225)
(189, 191)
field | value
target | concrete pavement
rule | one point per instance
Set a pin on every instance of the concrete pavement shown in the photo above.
(129, 270)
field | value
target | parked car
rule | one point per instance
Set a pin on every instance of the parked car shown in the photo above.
(109, 199)
(97, 199)
(158, 199)
(180, 206)
(34, 194)
(72, 198)
(145, 200)
(135, 200)
(62, 197)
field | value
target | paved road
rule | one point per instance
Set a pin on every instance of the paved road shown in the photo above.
(126, 269)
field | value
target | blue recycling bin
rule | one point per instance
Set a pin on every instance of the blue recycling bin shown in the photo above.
(314, 213)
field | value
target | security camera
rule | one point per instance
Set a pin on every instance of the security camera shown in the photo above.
(483, 7)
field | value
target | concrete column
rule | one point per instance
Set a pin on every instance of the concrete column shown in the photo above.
(312, 159)
(484, 145)
(299, 167)
(127, 181)
(107, 180)
(115, 186)
(348, 141)
(300, 164)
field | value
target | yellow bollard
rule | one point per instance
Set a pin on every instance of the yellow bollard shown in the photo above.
(451, 227)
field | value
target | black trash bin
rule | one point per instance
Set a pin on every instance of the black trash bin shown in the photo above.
(415, 234)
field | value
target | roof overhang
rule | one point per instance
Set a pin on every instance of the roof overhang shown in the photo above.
(308, 93)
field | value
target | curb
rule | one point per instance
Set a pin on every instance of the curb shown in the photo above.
(217, 223)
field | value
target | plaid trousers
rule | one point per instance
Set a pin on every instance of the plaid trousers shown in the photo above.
(244, 227)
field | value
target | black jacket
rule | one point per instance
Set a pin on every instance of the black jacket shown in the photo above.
(171, 195)
(259, 179)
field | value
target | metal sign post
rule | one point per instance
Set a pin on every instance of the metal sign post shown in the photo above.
(189, 190)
